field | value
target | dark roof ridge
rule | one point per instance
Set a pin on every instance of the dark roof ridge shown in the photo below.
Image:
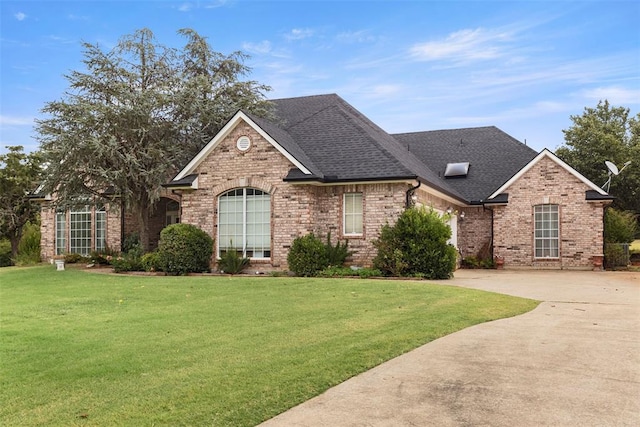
(462, 130)
(449, 129)
(321, 95)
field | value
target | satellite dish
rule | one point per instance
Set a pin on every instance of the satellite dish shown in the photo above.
(612, 168)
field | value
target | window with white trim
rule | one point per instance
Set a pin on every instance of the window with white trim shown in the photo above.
(80, 231)
(101, 229)
(61, 232)
(546, 231)
(352, 214)
(244, 222)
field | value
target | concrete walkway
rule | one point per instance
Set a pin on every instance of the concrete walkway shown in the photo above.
(573, 361)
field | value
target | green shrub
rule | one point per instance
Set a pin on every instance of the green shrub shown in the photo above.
(232, 263)
(475, 262)
(307, 256)
(151, 261)
(73, 258)
(129, 261)
(184, 248)
(619, 226)
(5, 253)
(104, 256)
(615, 256)
(336, 255)
(131, 241)
(416, 245)
(29, 246)
(470, 262)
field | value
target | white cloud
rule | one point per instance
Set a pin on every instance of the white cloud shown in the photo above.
(299, 34)
(384, 90)
(215, 3)
(464, 46)
(61, 40)
(616, 95)
(362, 36)
(189, 6)
(15, 121)
(20, 16)
(262, 47)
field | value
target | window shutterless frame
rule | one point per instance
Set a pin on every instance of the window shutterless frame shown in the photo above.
(244, 222)
(546, 231)
(352, 214)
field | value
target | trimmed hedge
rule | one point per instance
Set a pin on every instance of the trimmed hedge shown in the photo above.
(307, 256)
(184, 248)
(416, 245)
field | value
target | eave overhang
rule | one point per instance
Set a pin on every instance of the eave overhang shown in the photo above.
(594, 196)
(189, 182)
(497, 200)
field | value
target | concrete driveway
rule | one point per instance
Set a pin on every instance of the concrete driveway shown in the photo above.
(573, 361)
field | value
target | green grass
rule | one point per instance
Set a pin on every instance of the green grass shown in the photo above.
(81, 348)
(634, 248)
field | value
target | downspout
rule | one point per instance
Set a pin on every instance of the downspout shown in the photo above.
(409, 202)
(484, 207)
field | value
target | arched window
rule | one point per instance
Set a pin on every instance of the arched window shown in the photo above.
(244, 223)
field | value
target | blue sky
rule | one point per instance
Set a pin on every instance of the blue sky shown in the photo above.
(524, 66)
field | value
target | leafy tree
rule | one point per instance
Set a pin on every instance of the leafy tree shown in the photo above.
(606, 133)
(619, 226)
(19, 173)
(136, 115)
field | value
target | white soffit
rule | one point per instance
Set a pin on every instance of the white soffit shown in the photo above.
(224, 132)
(546, 153)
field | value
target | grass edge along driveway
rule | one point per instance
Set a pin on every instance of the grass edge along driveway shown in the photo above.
(79, 348)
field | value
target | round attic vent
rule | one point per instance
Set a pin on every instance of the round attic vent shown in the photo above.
(243, 143)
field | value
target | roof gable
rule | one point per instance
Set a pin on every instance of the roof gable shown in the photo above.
(224, 132)
(547, 154)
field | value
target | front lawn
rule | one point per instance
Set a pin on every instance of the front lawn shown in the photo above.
(80, 348)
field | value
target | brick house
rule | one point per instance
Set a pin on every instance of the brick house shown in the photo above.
(323, 167)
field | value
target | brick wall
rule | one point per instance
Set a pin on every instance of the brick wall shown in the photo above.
(47, 232)
(474, 232)
(581, 222)
(295, 209)
(48, 229)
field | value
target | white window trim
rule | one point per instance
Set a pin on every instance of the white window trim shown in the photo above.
(78, 249)
(556, 238)
(100, 217)
(344, 214)
(244, 223)
(61, 243)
